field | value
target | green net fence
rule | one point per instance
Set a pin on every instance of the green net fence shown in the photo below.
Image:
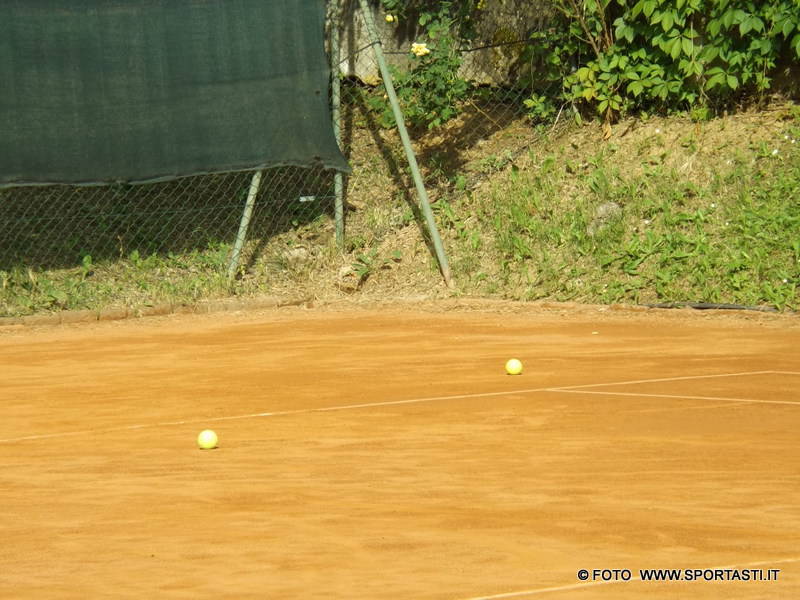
(86, 247)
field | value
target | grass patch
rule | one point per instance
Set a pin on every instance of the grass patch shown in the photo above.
(133, 281)
(601, 231)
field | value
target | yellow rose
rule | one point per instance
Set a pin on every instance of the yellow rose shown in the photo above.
(420, 49)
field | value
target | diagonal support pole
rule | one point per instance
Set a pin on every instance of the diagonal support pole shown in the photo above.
(241, 236)
(410, 156)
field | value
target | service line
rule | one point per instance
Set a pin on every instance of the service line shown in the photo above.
(674, 396)
(665, 379)
(575, 389)
(269, 414)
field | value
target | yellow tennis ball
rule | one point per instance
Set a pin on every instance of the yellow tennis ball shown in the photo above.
(514, 366)
(207, 440)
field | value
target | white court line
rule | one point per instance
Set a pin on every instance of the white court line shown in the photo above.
(674, 396)
(578, 586)
(269, 414)
(662, 379)
(376, 404)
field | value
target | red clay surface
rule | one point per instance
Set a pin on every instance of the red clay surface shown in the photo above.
(450, 481)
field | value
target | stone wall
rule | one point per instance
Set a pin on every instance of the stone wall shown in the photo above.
(503, 24)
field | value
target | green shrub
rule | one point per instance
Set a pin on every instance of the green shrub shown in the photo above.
(616, 56)
(611, 57)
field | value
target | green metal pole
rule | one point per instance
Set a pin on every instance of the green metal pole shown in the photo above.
(410, 156)
(338, 181)
(241, 236)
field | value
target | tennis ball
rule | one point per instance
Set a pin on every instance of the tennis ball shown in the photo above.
(514, 366)
(207, 440)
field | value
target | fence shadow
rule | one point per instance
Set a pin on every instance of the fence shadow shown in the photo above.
(57, 226)
(399, 174)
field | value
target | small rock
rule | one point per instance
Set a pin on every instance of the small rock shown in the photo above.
(603, 215)
(296, 256)
(348, 280)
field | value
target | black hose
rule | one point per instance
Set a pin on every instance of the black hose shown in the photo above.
(712, 306)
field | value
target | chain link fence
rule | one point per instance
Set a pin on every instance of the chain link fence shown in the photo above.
(54, 236)
(57, 227)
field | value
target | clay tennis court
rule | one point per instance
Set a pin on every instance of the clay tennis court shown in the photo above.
(384, 453)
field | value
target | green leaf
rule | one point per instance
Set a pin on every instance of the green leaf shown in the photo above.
(59, 296)
(763, 46)
(635, 87)
(687, 45)
(628, 34)
(674, 47)
(709, 53)
(656, 17)
(744, 27)
(667, 20)
(649, 7)
(727, 19)
(750, 23)
(715, 80)
(732, 81)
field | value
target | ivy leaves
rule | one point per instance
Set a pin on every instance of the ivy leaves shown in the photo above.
(614, 56)
(677, 54)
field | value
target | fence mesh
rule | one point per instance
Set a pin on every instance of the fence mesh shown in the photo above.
(55, 227)
(48, 231)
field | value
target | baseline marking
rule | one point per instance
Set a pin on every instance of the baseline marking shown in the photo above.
(578, 586)
(679, 397)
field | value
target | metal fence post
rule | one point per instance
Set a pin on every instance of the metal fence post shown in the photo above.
(336, 104)
(410, 156)
(241, 236)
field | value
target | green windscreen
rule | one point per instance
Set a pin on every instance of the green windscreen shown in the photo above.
(96, 91)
